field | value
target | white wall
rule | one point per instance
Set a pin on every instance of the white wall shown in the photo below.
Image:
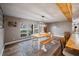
(13, 33)
(1, 41)
(75, 23)
(61, 27)
(1, 34)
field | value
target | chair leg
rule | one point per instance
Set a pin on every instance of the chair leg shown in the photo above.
(44, 48)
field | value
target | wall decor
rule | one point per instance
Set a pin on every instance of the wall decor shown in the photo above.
(12, 24)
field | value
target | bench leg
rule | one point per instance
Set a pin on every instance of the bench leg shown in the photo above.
(52, 42)
(44, 48)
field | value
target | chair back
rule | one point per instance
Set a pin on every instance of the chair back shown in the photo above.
(62, 44)
(67, 36)
(64, 40)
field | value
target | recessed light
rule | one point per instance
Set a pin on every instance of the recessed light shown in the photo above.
(43, 16)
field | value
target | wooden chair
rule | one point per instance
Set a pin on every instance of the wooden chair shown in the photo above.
(62, 44)
(45, 42)
(64, 40)
(67, 36)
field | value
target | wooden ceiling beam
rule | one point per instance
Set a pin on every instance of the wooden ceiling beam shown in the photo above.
(66, 9)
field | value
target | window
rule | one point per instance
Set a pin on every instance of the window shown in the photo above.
(25, 30)
(57, 31)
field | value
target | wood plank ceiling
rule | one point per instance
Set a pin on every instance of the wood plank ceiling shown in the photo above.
(66, 9)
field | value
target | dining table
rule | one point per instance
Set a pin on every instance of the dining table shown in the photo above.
(71, 49)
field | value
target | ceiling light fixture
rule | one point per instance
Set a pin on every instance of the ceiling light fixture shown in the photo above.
(42, 22)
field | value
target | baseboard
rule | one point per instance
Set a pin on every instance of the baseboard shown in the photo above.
(8, 43)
